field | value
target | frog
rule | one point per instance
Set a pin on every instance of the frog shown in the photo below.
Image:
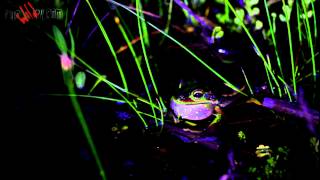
(193, 111)
(200, 107)
(196, 113)
(197, 106)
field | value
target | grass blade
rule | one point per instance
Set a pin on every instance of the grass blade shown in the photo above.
(110, 45)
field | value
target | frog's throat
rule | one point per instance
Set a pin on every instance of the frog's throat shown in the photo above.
(193, 112)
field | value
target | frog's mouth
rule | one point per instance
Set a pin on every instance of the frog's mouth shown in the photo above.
(193, 110)
(190, 101)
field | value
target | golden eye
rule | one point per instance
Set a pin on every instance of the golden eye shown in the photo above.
(198, 93)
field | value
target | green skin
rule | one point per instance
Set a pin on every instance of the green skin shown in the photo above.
(196, 107)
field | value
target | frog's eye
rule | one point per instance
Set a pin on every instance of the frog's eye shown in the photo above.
(197, 94)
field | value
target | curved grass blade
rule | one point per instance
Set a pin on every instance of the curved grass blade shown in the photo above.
(110, 45)
(298, 22)
(256, 47)
(314, 20)
(143, 25)
(136, 61)
(142, 33)
(245, 77)
(286, 88)
(72, 50)
(287, 16)
(90, 97)
(183, 47)
(102, 78)
(273, 37)
(95, 28)
(67, 75)
(309, 37)
(113, 87)
(166, 30)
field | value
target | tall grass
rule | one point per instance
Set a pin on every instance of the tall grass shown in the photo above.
(279, 82)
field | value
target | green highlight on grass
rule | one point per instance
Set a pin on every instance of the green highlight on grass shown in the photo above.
(278, 86)
(114, 54)
(68, 79)
(286, 88)
(113, 87)
(144, 29)
(161, 115)
(160, 8)
(124, 24)
(91, 97)
(167, 27)
(273, 37)
(98, 81)
(309, 37)
(183, 47)
(314, 20)
(248, 84)
(102, 78)
(298, 22)
(256, 47)
(269, 80)
(137, 63)
(86, 131)
(139, 12)
(142, 33)
(166, 30)
(287, 16)
(107, 99)
(73, 47)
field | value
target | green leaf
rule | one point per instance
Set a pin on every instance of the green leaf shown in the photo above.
(258, 25)
(59, 39)
(240, 13)
(255, 11)
(217, 32)
(80, 79)
(251, 2)
(287, 11)
(282, 18)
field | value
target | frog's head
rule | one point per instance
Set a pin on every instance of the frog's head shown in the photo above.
(195, 106)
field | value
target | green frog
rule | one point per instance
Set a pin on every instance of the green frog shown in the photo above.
(195, 110)
(199, 108)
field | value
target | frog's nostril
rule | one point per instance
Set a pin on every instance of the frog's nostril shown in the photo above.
(182, 97)
(209, 96)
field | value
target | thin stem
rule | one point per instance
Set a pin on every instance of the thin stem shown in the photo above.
(105, 35)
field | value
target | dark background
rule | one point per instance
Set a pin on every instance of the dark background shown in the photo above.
(42, 136)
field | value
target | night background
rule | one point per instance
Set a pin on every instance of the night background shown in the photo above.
(195, 58)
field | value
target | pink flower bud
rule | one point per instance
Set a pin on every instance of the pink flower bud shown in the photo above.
(66, 62)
